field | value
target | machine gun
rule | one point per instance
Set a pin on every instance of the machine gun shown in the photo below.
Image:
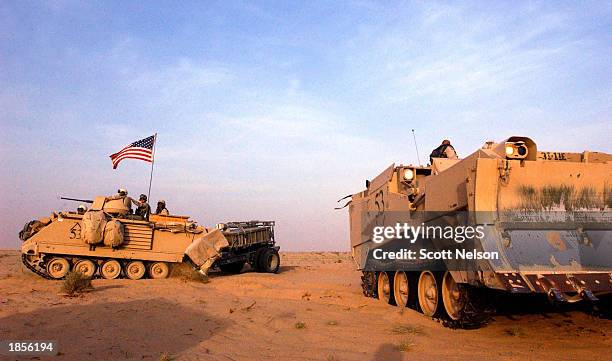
(78, 200)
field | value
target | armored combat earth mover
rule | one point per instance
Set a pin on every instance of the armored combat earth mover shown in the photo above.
(109, 242)
(546, 214)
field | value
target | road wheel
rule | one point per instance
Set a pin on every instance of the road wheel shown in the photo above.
(453, 296)
(110, 269)
(85, 267)
(401, 288)
(159, 270)
(58, 267)
(269, 261)
(135, 270)
(233, 267)
(385, 288)
(429, 289)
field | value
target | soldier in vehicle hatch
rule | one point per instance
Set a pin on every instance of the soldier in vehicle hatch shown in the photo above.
(144, 209)
(161, 208)
(81, 209)
(444, 150)
(122, 193)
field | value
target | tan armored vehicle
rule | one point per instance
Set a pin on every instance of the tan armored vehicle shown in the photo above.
(107, 241)
(544, 218)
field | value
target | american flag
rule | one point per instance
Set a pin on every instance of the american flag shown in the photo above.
(141, 149)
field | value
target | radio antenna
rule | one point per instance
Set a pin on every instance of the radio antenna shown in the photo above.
(417, 147)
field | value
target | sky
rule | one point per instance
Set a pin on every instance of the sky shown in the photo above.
(275, 110)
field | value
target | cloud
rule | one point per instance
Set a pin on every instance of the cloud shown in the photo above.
(471, 72)
(179, 80)
(452, 51)
(287, 121)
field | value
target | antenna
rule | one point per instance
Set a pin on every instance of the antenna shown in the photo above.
(417, 147)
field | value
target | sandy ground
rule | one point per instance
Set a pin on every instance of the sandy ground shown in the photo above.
(312, 310)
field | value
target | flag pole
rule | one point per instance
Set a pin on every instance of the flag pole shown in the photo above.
(152, 163)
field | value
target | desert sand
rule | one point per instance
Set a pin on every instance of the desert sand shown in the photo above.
(313, 309)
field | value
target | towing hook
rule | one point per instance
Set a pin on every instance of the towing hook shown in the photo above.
(586, 294)
(583, 292)
(555, 295)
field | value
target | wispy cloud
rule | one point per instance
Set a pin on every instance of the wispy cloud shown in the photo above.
(287, 122)
(178, 82)
(452, 51)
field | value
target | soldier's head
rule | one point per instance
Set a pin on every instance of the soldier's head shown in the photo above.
(122, 191)
(161, 205)
(446, 142)
(142, 198)
(81, 209)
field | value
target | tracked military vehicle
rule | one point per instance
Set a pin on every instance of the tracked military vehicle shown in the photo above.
(546, 215)
(108, 241)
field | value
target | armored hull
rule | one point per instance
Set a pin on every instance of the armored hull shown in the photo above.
(545, 216)
(108, 242)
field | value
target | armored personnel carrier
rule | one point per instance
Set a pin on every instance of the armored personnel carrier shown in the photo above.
(108, 241)
(544, 221)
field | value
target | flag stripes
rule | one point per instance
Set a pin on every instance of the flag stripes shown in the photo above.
(139, 150)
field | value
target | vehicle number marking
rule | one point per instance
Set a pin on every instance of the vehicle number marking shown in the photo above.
(553, 156)
(75, 231)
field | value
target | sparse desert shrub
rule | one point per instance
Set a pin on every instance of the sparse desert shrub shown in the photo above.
(405, 346)
(300, 325)
(75, 282)
(165, 357)
(514, 331)
(407, 329)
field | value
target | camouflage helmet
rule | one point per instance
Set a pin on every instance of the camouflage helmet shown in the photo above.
(143, 197)
(122, 191)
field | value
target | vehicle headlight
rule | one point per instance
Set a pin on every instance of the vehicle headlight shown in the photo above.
(408, 174)
(516, 150)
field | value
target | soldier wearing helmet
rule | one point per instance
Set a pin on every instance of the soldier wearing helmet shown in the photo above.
(81, 209)
(161, 208)
(143, 209)
(122, 193)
